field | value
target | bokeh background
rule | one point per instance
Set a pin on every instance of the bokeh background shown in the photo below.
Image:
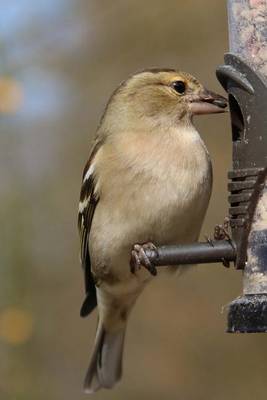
(59, 62)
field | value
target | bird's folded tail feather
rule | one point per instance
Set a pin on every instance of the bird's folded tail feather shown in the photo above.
(105, 366)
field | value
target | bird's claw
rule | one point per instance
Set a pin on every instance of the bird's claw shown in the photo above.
(209, 240)
(221, 232)
(139, 258)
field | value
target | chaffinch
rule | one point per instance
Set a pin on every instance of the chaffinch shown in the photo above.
(148, 180)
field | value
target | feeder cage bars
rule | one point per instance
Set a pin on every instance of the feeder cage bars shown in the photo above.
(244, 77)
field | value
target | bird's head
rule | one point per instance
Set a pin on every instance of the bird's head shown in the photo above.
(162, 96)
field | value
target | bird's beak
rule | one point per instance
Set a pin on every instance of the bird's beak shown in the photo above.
(207, 102)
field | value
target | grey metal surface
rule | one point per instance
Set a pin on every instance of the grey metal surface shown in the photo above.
(193, 253)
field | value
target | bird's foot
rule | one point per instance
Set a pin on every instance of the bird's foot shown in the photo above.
(221, 232)
(139, 258)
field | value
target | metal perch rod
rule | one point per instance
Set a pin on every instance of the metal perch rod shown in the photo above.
(193, 253)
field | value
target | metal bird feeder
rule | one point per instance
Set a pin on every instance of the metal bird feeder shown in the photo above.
(244, 77)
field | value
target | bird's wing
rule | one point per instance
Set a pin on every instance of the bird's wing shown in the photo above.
(88, 202)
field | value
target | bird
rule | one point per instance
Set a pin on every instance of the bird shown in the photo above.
(147, 183)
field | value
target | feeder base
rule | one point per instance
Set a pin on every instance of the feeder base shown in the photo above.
(248, 314)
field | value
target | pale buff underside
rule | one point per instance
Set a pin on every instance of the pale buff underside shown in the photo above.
(155, 189)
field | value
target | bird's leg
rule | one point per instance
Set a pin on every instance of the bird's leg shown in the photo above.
(221, 232)
(139, 258)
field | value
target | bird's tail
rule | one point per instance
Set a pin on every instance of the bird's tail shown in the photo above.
(105, 366)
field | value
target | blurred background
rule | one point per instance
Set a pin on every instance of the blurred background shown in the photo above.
(59, 62)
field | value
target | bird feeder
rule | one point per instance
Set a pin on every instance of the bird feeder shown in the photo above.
(244, 77)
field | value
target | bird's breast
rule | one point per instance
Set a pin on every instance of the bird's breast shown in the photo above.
(152, 190)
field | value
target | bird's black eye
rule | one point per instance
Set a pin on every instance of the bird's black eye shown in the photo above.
(179, 87)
